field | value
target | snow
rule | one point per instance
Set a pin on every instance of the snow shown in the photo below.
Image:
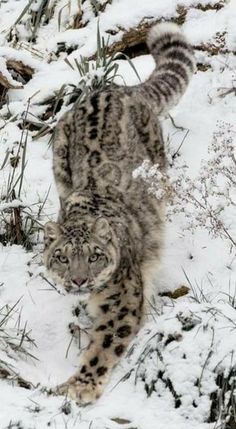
(6, 75)
(192, 257)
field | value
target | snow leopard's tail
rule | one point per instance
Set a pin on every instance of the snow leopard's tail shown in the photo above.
(175, 65)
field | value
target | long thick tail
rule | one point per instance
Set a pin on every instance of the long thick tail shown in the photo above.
(175, 65)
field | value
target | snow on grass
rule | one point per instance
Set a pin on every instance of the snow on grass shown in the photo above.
(172, 370)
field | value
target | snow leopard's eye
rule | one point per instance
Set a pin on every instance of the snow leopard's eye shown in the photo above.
(63, 259)
(94, 257)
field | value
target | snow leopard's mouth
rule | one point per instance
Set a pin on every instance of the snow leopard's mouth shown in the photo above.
(80, 288)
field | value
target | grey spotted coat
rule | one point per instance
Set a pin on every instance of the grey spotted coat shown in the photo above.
(106, 243)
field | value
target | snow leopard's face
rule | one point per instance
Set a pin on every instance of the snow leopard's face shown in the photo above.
(82, 259)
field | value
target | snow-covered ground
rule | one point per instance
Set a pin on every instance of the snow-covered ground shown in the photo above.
(168, 379)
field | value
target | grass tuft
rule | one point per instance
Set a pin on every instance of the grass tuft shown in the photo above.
(15, 343)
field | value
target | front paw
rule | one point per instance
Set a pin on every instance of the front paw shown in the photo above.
(82, 391)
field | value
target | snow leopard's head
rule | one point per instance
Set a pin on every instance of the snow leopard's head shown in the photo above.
(82, 258)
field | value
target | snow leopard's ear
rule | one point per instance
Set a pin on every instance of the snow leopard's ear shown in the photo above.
(51, 231)
(102, 229)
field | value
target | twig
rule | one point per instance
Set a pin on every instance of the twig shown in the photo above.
(181, 144)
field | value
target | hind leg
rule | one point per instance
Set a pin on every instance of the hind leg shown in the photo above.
(61, 164)
(149, 272)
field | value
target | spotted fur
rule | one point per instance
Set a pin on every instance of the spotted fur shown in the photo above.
(106, 243)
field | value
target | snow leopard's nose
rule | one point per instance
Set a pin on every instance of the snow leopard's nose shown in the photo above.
(79, 281)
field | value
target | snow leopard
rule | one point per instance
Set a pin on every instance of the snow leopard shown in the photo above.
(105, 246)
